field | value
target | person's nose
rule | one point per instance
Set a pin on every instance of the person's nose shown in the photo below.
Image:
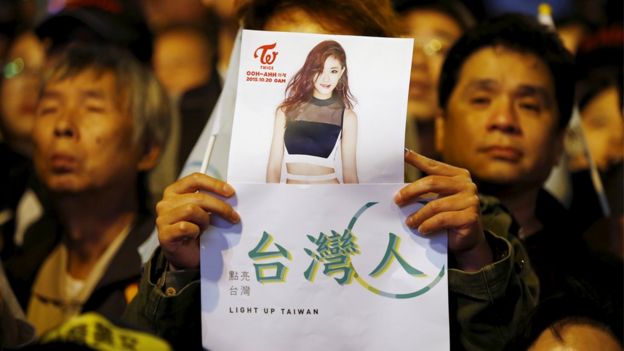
(420, 60)
(65, 124)
(325, 77)
(504, 118)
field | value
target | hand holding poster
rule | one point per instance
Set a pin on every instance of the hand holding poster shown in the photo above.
(338, 271)
(311, 264)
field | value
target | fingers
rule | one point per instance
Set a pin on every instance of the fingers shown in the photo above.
(179, 232)
(442, 185)
(430, 166)
(433, 216)
(182, 218)
(183, 251)
(199, 181)
(456, 221)
(193, 202)
(187, 213)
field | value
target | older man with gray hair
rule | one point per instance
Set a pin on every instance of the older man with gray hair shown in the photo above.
(101, 122)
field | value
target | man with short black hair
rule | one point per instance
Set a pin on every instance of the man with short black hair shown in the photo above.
(506, 93)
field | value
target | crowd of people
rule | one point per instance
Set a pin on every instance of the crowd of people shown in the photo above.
(101, 103)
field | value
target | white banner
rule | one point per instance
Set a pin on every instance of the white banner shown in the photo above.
(322, 267)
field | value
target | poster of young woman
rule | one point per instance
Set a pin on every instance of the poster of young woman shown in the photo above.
(319, 109)
(324, 266)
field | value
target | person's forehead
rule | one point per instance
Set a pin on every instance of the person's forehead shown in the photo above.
(174, 45)
(332, 61)
(574, 337)
(24, 43)
(88, 85)
(431, 22)
(295, 19)
(88, 78)
(505, 64)
(182, 34)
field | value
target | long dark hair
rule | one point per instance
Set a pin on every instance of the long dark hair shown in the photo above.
(301, 87)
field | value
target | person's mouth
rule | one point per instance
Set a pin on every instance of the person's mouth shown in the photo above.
(63, 163)
(504, 153)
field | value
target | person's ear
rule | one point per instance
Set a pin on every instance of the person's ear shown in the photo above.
(439, 131)
(149, 157)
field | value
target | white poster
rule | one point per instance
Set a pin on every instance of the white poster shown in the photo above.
(367, 77)
(322, 267)
(317, 263)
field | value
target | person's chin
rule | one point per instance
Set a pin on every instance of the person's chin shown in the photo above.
(64, 184)
(325, 92)
(499, 174)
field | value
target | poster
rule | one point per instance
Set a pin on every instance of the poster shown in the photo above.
(338, 271)
(378, 85)
(320, 265)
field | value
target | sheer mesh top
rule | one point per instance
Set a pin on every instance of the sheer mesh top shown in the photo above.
(313, 132)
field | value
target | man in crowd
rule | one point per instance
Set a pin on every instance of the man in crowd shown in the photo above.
(101, 121)
(506, 93)
(491, 284)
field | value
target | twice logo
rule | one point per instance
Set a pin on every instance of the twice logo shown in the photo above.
(267, 55)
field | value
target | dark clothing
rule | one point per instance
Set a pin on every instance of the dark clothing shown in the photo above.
(585, 208)
(601, 233)
(174, 316)
(108, 298)
(14, 330)
(556, 246)
(562, 259)
(14, 174)
(16, 177)
(558, 249)
(485, 306)
(196, 105)
(315, 128)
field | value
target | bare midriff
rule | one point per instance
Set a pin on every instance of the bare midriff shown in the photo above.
(306, 169)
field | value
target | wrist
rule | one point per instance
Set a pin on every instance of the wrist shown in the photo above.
(180, 260)
(474, 259)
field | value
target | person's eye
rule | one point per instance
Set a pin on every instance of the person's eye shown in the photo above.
(531, 106)
(334, 71)
(47, 110)
(480, 101)
(95, 109)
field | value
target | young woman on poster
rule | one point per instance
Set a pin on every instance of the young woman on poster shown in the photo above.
(315, 118)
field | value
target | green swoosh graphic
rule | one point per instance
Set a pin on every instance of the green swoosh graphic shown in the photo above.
(380, 292)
